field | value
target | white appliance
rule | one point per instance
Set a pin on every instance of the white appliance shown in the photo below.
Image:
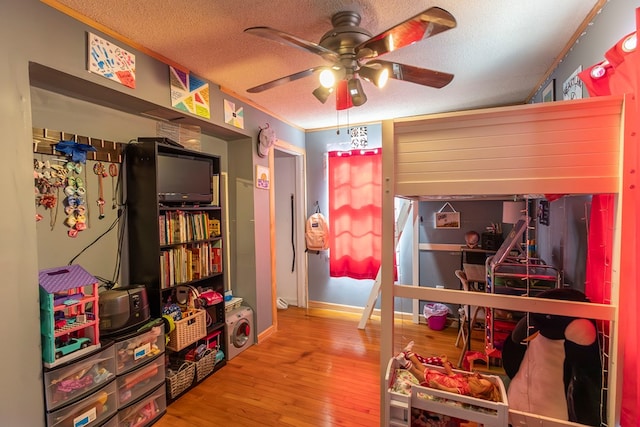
(239, 331)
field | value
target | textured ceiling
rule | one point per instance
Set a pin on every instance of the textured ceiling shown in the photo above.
(499, 52)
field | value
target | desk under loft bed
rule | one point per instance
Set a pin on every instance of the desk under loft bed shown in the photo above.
(533, 149)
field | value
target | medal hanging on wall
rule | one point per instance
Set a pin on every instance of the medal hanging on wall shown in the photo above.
(99, 170)
(113, 172)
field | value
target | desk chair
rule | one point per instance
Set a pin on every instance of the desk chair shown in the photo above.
(461, 275)
(463, 333)
(466, 321)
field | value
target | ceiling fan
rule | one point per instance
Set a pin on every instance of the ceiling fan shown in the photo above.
(352, 52)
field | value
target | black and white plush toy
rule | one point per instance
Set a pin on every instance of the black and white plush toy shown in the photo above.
(554, 364)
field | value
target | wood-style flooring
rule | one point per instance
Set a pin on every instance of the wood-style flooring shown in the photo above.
(318, 369)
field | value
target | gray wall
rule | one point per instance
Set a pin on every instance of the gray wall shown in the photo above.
(46, 49)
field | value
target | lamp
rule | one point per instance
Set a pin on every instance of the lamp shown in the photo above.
(378, 76)
(512, 211)
(322, 93)
(356, 93)
(327, 78)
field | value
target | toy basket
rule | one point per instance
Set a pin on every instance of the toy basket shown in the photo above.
(189, 329)
(234, 303)
(181, 379)
(205, 365)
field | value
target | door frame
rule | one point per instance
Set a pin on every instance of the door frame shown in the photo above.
(300, 203)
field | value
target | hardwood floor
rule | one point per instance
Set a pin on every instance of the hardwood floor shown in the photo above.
(318, 369)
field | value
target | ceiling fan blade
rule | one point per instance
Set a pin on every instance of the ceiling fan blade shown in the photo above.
(283, 80)
(291, 40)
(426, 24)
(409, 73)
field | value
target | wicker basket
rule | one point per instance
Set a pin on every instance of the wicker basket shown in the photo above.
(181, 380)
(188, 330)
(205, 365)
(232, 304)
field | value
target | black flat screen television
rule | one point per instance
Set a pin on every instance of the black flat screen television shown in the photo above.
(184, 179)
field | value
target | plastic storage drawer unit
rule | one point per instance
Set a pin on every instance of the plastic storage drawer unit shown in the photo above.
(144, 412)
(90, 411)
(70, 382)
(138, 348)
(135, 384)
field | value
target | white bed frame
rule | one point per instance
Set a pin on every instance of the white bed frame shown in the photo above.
(489, 413)
(545, 148)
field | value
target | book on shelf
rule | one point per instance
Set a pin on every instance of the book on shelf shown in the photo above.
(214, 227)
(215, 188)
(216, 259)
(188, 263)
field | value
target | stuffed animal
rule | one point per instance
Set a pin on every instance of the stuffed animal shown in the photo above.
(554, 364)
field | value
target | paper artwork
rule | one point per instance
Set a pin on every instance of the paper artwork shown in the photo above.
(232, 116)
(111, 61)
(189, 93)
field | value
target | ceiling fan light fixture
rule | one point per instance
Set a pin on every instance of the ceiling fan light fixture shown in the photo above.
(356, 93)
(327, 78)
(377, 76)
(322, 93)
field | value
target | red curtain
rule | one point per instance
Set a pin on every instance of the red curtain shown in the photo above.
(355, 213)
(619, 74)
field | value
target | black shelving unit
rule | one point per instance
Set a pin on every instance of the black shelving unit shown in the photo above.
(189, 233)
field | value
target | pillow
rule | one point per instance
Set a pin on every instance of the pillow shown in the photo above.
(403, 382)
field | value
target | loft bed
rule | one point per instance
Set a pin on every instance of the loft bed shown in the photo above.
(545, 148)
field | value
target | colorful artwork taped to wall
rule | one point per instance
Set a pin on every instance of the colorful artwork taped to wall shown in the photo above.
(189, 93)
(111, 61)
(232, 116)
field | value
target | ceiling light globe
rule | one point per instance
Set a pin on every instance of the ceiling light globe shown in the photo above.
(327, 79)
(630, 43)
(383, 78)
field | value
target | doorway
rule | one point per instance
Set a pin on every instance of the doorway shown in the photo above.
(290, 216)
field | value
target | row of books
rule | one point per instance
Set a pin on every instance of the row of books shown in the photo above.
(181, 227)
(187, 263)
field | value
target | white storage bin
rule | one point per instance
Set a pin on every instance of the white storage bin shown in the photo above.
(138, 382)
(137, 349)
(146, 411)
(70, 382)
(90, 411)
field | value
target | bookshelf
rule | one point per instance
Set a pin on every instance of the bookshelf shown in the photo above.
(174, 244)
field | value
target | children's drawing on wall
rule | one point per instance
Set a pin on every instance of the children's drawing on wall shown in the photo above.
(233, 116)
(189, 93)
(111, 61)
